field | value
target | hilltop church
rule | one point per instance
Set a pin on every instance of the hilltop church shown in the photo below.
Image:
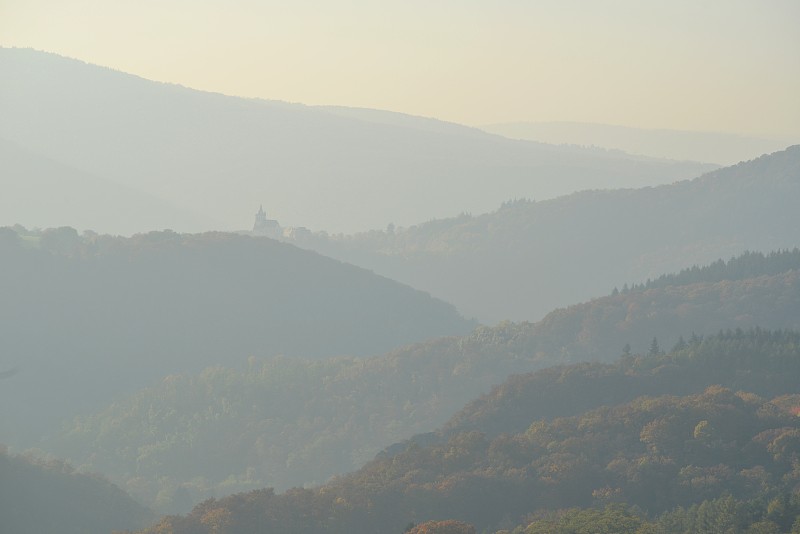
(264, 226)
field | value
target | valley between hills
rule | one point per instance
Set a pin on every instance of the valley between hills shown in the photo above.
(546, 339)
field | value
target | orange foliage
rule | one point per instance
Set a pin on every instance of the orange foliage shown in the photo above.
(450, 526)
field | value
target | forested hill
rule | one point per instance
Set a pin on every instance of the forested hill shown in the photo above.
(763, 362)
(716, 417)
(528, 258)
(725, 298)
(40, 496)
(284, 423)
(120, 313)
(747, 265)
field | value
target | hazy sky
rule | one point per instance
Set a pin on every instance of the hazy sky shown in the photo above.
(726, 65)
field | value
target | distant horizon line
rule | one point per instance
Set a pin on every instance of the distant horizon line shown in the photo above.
(791, 138)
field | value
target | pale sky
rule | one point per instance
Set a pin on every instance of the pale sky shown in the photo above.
(726, 65)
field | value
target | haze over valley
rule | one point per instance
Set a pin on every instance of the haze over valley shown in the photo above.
(714, 147)
(425, 268)
(216, 157)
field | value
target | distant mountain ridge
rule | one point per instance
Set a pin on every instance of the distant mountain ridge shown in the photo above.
(527, 258)
(220, 156)
(720, 148)
(45, 194)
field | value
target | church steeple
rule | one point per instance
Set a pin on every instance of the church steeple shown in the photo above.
(261, 218)
(264, 226)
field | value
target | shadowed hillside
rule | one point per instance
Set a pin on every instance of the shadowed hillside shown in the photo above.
(85, 319)
(39, 496)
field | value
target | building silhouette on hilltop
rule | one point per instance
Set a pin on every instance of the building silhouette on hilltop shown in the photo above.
(264, 226)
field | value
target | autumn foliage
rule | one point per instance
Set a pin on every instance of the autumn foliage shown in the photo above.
(450, 526)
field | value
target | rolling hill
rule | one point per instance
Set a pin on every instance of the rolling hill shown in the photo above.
(283, 422)
(45, 194)
(721, 148)
(87, 318)
(528, 258)
(673, 432)
(219, 156)
(38, 495)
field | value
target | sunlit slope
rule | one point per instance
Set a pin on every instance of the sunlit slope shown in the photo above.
(528, 258)
(673, 431)
(222, 156)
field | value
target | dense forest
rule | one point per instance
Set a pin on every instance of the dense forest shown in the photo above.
(530, 257)
(687, 405)
(120, 313)
(737, 436)
(781, 514)
(747, 265)
(755, 360)
(284, 422)
(196, 366)
(429, 328)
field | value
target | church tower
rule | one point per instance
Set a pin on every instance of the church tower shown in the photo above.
(261, 219)
(264, 226)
